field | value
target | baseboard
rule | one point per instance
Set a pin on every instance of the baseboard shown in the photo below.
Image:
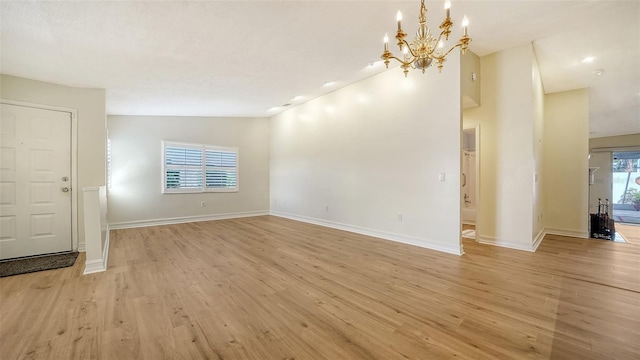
(538, 239)
(82, 247)
(468, 222)
(423, 243)
(567, 232)
(99, 265)
(490, 240)
(185, 219)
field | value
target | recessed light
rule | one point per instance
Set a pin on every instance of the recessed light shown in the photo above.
(275, 108)
(598, 72)
(296, 98)
(328, 83)
(588, 59)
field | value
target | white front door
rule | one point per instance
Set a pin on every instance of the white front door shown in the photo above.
(35, 181)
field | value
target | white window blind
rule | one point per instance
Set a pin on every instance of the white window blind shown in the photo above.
(221, 169)
(199, 168)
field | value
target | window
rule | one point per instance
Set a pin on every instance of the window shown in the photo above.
(189, 168)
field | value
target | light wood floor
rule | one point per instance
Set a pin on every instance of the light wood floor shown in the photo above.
(270, 288)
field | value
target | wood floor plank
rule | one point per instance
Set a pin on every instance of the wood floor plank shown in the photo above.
(272, 288)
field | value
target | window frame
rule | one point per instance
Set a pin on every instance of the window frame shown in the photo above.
(202, 168)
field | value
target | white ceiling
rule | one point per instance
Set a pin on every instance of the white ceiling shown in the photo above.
(241, 58)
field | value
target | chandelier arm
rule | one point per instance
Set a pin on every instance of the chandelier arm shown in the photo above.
(440, 38)
(406, 43)
(401, 61)
(443, 33)
(459, 44)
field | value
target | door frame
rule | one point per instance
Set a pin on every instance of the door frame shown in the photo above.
(74, 160)
(475, 127)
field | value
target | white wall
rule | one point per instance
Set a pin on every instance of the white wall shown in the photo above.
(566, 164)
(135, 196)
(510, 107)
(96, 229)
(366, 158)
(91, 136)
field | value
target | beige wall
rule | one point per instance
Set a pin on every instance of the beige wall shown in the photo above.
(471, 89)
(615, 141)
(367, 158)
(91, 136)
(507, 118)
(566, 164)
(135, 196)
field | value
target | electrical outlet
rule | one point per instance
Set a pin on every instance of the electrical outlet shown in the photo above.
(203, 204)
(326, 208)
(400, 217)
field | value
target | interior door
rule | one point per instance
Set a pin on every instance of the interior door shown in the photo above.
(35, 184)
(601, 187)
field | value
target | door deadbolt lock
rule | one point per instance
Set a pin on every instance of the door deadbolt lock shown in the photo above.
(65, 189)
(64, 178)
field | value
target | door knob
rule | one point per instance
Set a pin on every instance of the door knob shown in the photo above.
(65, 189)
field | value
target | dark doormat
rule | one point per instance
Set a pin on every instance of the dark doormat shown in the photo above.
(36, 263)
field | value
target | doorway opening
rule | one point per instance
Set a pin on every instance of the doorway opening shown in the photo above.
(469, 182)
(626, 187)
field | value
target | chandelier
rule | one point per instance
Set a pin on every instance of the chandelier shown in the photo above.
(425, 48)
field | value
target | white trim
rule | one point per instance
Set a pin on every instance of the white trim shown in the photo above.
(538, 239)
(409, 240)
(185, 219)
(82, 247)
(490, 240)
(99, 265)
(567, 232)
(74, 160)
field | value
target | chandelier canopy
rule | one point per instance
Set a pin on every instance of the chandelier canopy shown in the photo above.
(425, 49)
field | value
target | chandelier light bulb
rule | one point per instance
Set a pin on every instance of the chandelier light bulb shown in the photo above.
(447, 7)
(465, 24)
(440, 44)
(399, 16)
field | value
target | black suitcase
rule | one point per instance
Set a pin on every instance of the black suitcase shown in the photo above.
(602, 227)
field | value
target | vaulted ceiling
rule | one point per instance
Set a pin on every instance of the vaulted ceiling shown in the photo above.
(241, 58)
